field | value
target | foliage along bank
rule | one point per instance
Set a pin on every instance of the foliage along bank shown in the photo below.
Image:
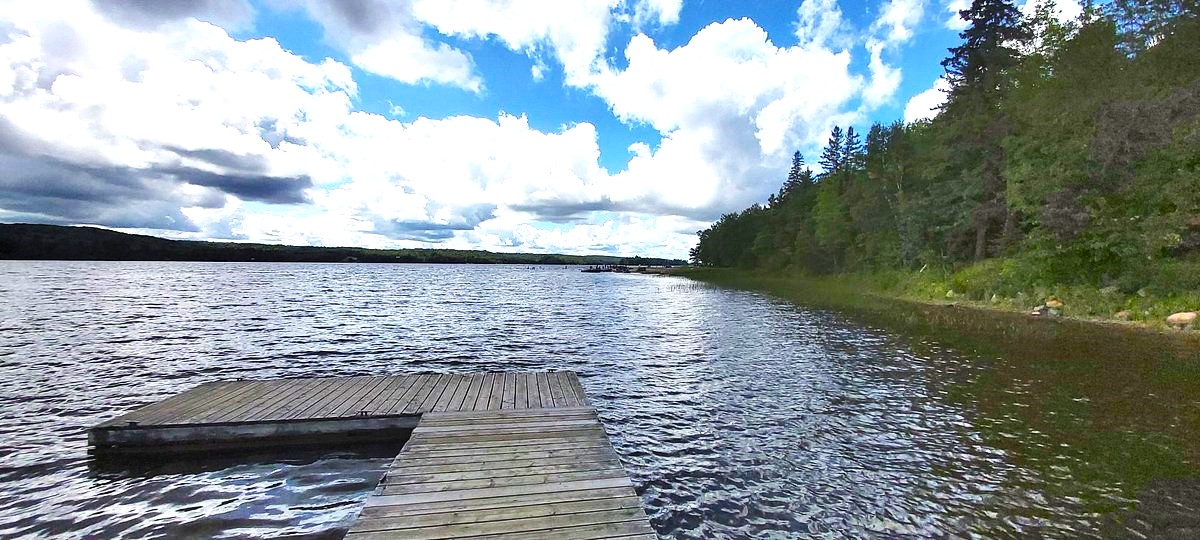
(1066, 158)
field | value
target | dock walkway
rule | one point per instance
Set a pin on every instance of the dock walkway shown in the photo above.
(495, 455)
(534, 473)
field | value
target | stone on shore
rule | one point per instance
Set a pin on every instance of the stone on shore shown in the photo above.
(1181, 320)
(1124, 315)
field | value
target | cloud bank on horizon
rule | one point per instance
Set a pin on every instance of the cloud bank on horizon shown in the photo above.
(592, 126)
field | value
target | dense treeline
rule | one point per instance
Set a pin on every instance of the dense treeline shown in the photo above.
(39, 242)
(1065, 152)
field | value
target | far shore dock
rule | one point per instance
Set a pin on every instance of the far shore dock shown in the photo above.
(508, 455)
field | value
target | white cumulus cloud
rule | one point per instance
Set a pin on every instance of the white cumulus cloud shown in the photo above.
(923, 106)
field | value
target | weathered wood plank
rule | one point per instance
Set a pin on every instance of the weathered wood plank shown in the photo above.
(569, 399)
(467, 462)
(360, 395)
(512, 501)
(532, 424)
(379, 403)
(214, 411)
(510, 391)
(556, 389)
(336, 403)
(415, 466)
(405, 405)
(173, 405)
(485, 394)
(547, 398)
(490, 415)
(212, 402)
(453, 383)
(268, 409)
(521, 399)
(480, 515)
(497, 397)
(577, 386)
(331, 398)
(468, 400)
(487, 528)
(432, 388)
(409, 475)
(275, 390)
(485, 493)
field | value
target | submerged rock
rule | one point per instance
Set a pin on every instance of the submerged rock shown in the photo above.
(1181, 320)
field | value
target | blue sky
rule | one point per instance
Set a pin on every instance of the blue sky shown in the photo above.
(590, 126)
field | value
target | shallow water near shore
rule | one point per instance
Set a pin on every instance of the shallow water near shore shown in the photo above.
(737, 414)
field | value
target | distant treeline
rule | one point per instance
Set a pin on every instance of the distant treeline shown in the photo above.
(53, 242)
(1065, 153)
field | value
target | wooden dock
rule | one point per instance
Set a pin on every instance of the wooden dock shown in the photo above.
(533, 473)
(495, 455)
(240, 413)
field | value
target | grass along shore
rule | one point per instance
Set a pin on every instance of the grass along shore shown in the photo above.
(986, 320)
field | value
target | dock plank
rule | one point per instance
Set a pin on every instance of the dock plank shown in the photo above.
(472, 394)
(433, 393)
(510, 390)
(556, 389)
(497, 397)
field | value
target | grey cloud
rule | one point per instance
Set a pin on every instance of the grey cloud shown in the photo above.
(364, 16)
(252, 187)
(149, 14)
(244, 163)
(467, 219)
(564, 212)
(37, 186)
(47, 191)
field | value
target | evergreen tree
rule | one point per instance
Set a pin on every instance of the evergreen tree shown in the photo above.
(832, 156)
(852, 151)
(979, 66)
(795, 178)
(980, 72)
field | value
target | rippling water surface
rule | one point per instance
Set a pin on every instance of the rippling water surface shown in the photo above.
(736, 414)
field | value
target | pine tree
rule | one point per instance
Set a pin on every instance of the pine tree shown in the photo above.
(981, 72)
(796, 177)
(978, 66)
(832, 156)
(852, 151)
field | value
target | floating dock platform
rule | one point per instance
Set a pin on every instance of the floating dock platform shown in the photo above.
(496, 455)
(242, 413)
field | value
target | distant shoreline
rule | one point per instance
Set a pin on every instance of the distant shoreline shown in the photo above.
(33, 242)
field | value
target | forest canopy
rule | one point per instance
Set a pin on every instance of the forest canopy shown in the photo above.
(1068, 150)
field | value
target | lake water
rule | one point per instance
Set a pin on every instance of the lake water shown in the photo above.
(736, 414)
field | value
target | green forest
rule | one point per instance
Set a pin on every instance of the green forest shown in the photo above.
(1064, 162)
(22, 241)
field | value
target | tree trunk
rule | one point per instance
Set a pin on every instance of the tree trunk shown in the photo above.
(1009, 234)
(981, 240)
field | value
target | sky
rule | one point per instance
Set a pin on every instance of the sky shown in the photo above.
(563, 126)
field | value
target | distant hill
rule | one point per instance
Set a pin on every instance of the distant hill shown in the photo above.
(21, 241)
